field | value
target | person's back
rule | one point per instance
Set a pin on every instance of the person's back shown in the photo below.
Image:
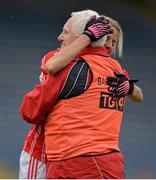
(88, 123)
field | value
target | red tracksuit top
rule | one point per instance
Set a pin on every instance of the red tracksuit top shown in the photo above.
(31, 110)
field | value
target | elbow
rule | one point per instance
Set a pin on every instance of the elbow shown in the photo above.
(50, 69)
(140, 97)
(137, 97)
(139, 100)
(30, 118)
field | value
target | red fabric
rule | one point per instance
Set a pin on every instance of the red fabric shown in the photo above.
(38, 103)
(89, 122)
(34, 143)
(108, 166)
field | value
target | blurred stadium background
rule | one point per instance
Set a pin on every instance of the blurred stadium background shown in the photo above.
(29, 29)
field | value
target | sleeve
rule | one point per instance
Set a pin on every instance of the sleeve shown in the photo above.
(77, 81)
(38, 103)
(69, 82)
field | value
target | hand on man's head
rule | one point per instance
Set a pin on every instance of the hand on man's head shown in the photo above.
(96, 28)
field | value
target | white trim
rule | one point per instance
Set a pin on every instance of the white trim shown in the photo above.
(98, 167)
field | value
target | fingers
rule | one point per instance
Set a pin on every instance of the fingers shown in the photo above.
(103, 20)
(112, 81)
(111, 89)
(100, 19)
(93, 18)
(110, 31)
(119, 75)
(91, 21)
(120, 86)
(96, 28)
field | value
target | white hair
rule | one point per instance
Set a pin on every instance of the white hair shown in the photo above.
(81, 19)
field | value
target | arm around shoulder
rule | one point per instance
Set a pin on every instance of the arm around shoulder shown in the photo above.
(67, 54)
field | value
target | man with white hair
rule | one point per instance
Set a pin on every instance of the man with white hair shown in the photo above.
(33, 159)
(68, 146)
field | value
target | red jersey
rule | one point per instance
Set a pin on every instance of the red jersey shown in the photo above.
(34, 142)
(34, 101)
(88, 123)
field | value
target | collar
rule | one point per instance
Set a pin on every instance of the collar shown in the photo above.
(101, 51)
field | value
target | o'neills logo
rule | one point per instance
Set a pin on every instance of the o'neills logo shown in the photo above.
(108, 102)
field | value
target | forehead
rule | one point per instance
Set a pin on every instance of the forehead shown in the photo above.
(69, 23)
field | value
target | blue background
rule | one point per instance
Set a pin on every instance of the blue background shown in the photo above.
(29, 29)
